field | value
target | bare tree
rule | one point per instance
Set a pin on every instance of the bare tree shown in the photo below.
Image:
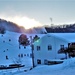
(23, 40)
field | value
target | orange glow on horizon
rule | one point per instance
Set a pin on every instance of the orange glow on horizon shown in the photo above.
(23, 21)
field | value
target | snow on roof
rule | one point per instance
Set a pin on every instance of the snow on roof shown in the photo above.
(18, 34)
(70, 37)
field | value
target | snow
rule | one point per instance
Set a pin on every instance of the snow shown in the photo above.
(11, 49)
(65, 36)
(69, 63)
(66, 68)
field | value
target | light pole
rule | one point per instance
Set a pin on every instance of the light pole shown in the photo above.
(51, 21)
(32, 48)
(32, 55)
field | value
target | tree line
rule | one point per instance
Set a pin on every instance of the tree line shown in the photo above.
(61, 29)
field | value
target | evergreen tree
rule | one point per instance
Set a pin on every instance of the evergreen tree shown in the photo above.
(35, 38)
(2, 30)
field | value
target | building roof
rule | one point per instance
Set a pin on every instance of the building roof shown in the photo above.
(70, 37)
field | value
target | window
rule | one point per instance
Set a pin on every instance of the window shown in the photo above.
(38, 47)
(31, 55)
(24, 54)
(62, 46)
(21, 55)
(9, 39)
(38, 61)
(6, 57)
(49, 47)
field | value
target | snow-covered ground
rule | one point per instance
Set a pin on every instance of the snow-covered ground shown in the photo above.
(11, 49)
(66, 68)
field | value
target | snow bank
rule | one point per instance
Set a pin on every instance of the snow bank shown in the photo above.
(69, 63)
(66, 68)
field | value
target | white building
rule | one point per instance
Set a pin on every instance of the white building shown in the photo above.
(47, 47)
(10, 52)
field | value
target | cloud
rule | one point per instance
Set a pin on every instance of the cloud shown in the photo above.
(23, 21)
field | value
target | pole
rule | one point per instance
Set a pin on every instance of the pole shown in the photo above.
(32, 48)
(33, 55)
(51, 21)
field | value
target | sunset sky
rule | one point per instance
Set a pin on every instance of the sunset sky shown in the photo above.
(38, 12)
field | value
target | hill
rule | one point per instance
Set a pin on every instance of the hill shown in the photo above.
(10, 26)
